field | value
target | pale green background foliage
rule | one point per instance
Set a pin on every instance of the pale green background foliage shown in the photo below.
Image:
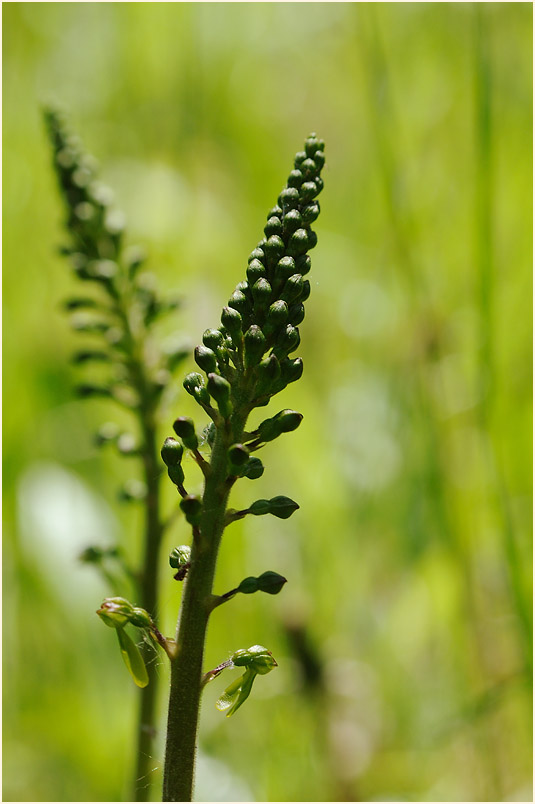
(408, 564)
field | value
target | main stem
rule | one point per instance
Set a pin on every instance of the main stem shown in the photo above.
(186, 668)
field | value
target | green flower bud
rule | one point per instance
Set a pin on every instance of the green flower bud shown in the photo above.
(254, 343)
(248, 586)
(115, 611)
(232, 321)
(179, 556)
(261, 291)
(288, 341)
(267, 372)
(254, 469)
(255, 271)
(289, 198)
(256, 657)
(285, 268)
(193, 381)
(292, 220)
(310, 212)
(281, 507)
(172, 452)
(140, 618)
(239, 302)
(213, 339)
(273, 227)
(205, 358)
(260, 508)
(185, 429)
(270, 582)
(319, 159)
(295, 179)
(291, 370)
(319, 184)
(298, 243)
(293, 288)
(257, 254)
(275, 212)
(305, 293)
(284, 422)
(296, 314)
(299, 157)
(303, 264)
(308, 168)
(308, 190)
(312, 239)
(276, 318)
(209, 434)
(238, 455)
(219, 389)
(311, 145)
(274, 248)
(191, 507)
(176, 474)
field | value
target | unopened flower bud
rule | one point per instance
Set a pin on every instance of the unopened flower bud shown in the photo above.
(270, 582)
(296, 314)
(232, 321)
(254, 343)
(179, 556)
(310, 212)
(289, 198)
(293, 288)
(273, 227)
(257, 254)
(213, 339)
(295, 179)
(219, 389)
(254, 469)
(274, 248)
(311, 145)
(185, 430)
(239, 302)
(291, 370)
(276, 318)
(286, 267)
(238, 455)
(256, 658)
(292, 220)
(205, 358)
(140, 618)
(298, 243)
(115, 611)
(191, 507)
(267, 372)
(261, 291)
(248, 586)
(172, 451)
(255, 271)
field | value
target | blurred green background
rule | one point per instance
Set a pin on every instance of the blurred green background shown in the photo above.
(404, 633)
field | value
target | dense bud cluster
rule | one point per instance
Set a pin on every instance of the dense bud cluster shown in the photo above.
(265, 310)
(122, 293)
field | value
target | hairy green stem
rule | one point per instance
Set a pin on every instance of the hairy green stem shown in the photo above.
(186, 668)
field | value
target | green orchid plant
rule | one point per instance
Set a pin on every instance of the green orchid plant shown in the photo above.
(245, 362)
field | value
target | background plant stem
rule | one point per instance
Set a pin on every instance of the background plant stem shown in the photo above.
(149, 601)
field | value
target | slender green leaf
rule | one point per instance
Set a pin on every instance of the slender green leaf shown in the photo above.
(132, 659)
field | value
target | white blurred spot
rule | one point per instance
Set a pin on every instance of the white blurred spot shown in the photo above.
(60, 516)
(216, 782)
